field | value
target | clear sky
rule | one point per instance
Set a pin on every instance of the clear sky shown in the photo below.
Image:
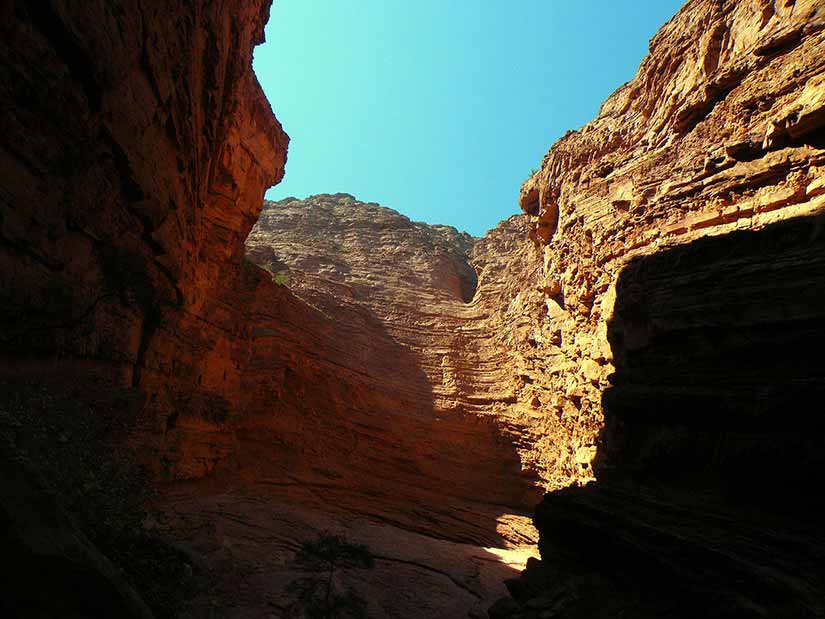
(440, 108)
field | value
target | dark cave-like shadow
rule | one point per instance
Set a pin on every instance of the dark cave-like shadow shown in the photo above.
(720, 375)
(712, 460)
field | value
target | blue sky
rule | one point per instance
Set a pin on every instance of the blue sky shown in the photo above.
(440, 108)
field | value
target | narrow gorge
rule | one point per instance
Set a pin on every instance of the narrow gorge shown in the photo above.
(604, 407)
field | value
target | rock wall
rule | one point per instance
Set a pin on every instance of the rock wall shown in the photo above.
(470, 369)
(686, 308)
(414, 375)
(135, 147)
(369, 397)
(720, 130)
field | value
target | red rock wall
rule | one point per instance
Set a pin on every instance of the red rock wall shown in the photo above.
(680, 233)
(136, 146)
(356, 383)
(720, 130)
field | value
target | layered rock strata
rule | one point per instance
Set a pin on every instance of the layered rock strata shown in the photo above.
(464, 347)
(353, 413)
(369, 387)
(135, 146)
(687, 311)
(459, 304)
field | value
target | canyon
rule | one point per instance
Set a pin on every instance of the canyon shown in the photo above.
(626, 375)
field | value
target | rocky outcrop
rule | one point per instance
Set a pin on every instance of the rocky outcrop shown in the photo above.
(135, 146)
(374, 403)
(689, 148)
(686, 308)
(481, 392)
(135, 149)
(139, 143)
(350, 411)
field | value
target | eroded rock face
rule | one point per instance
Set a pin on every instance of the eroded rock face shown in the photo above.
(376, 404)
(135, 146)
(718, 132)
(353, 410)
(405, 382)
(471, 370)
(685, 306)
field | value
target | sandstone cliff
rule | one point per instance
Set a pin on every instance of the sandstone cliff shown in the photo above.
(719, 131)
(686, 317)
(406, 384)
(135, 146)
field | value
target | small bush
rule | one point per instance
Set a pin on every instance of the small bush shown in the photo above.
(317, 596)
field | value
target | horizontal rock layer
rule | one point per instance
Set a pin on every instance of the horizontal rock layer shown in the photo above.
(687, 309)
(135, 146)
(373, 407)
(370, 380)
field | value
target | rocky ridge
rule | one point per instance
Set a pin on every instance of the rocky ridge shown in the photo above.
(676, 284)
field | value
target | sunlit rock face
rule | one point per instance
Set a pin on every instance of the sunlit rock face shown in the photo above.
(366, 402)
(685, 304)
(460, 304)
(463, 381)
(721, 130)
(367, 376)
(136, 147)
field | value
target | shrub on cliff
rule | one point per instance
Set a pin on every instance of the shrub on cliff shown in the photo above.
(317, 594)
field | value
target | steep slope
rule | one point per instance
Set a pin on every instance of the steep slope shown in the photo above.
(697, 354)
(135, 146)
(346, 417)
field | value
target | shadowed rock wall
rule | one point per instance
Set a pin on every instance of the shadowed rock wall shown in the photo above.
(690, 313)
(135, 146)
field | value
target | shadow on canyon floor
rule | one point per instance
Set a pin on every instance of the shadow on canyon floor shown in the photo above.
(709, 496)
(74, 491)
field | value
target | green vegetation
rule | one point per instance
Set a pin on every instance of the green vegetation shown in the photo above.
(318, 596)
(248, 265)
(281, 278)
